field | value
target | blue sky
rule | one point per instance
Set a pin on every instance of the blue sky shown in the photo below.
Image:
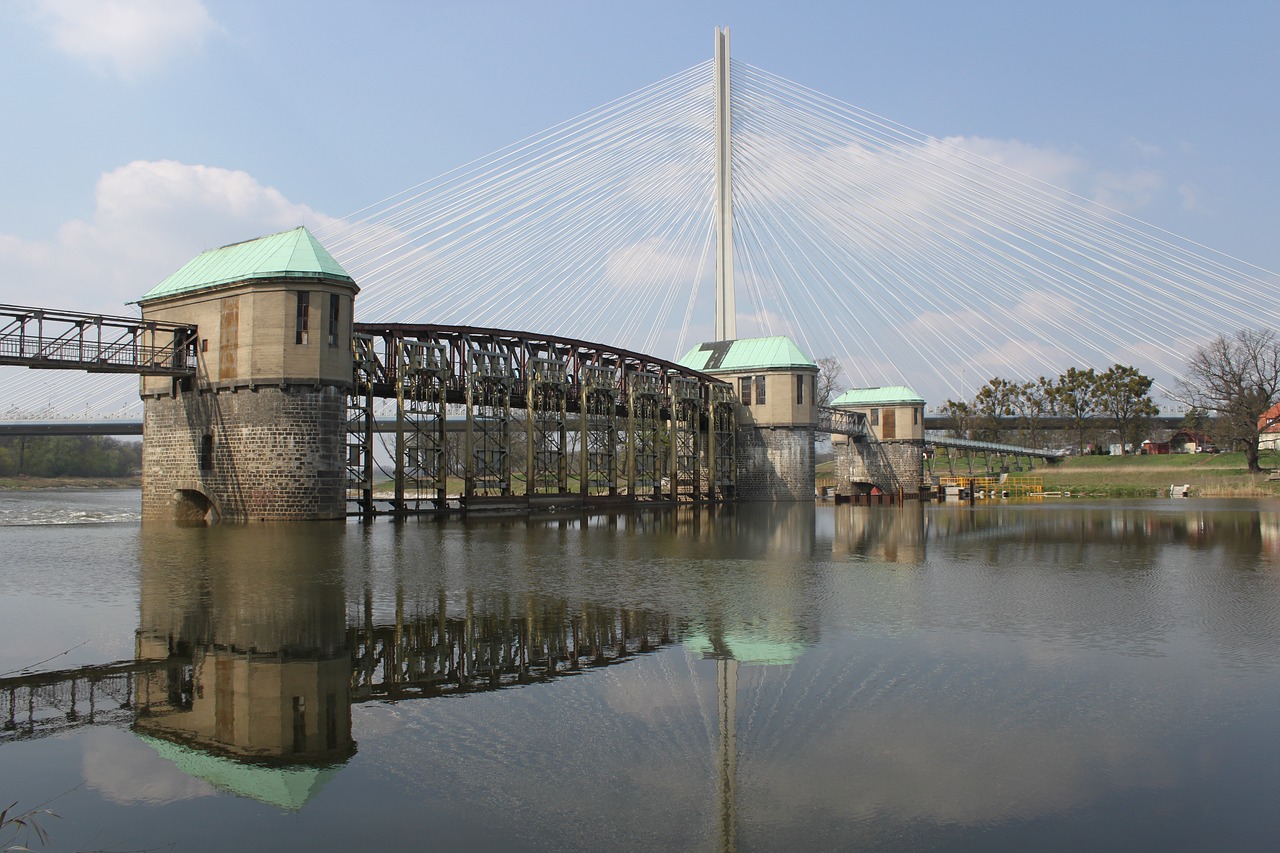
(140, 133)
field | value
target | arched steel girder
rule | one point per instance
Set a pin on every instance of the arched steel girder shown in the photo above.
(522, 349)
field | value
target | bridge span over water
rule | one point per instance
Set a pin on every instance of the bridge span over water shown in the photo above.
(891, 251)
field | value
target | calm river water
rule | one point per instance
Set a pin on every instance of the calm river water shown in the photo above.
(1056, 676)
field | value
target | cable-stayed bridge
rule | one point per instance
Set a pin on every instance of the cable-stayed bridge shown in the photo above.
(910, 258)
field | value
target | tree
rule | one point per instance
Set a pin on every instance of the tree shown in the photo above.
(994, 402)
(1073, 395)
(1122, 393)
(1237, 378)
(1030, 404)
(827, 382)
(961, 415)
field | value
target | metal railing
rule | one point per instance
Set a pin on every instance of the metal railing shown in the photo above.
(64, 340)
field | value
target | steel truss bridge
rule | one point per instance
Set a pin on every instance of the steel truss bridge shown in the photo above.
(546, 421)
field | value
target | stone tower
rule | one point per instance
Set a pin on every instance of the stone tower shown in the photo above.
(259, 433)
(777, 413)
(893, 461)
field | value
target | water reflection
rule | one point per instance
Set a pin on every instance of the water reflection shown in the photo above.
(254, 694)
(763, 676)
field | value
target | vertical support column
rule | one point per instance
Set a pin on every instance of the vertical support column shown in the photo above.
(599, 429)
(686, 417)
(644, 470)
(724, 431)
(489, 423)
(546, 393)
(726, 309)
(360, 422)
(396, 357)
(423, 371)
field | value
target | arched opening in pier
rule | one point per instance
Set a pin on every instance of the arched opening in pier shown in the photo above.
(193, 507)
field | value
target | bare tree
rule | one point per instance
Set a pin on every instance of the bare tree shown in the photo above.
(827, 382)
(1236, 378)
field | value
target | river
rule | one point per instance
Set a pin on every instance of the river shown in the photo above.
(1052, 676)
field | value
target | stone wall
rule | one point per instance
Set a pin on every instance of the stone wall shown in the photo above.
(273, 454)
(885, 464)
(775, 464)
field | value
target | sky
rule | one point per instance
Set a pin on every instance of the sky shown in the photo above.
(142, 132)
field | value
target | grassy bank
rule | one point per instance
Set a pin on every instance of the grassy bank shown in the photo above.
(10, 484)
(1208, 475)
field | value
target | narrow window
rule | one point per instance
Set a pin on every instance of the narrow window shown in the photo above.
(759, 390)
(299, 724)
(875, 417)
(800, 390)
(302, 324)
(744, 390)
(915, 417)
(206, 452)
(333, 319)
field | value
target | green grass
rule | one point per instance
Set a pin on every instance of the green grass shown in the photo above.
(1209, 475)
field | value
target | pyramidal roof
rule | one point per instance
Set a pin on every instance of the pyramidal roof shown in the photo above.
(288, 254)
(746, 354)
(881, 396)
(285, 787)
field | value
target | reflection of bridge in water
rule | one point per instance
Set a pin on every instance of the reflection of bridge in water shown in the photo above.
(251, 663)
(420, 657)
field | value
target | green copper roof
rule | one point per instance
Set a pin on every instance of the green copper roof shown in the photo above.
(777, 352)
(284, 787)
(883, 396)
(283, 255)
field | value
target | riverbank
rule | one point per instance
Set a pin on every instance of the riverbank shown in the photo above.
(1212, 475)
(23, 484)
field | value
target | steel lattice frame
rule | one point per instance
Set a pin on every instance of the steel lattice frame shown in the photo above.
(686, 468)
(644, 435)
(638, 421)
(598, 432)
(724, 429)
(546, 425)
(420, 426)
(366, 372)
(488, 451)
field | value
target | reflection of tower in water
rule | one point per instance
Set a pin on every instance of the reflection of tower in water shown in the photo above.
(256, 694)
(884, 534)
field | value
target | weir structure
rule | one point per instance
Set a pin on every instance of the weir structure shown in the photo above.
(281, 418)
(519, 421)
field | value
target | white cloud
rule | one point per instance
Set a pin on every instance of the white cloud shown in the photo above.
(1190, 197)
(150, 218)
(1127, 192)
(636, 266)
(1144, 149)
(131, 37)
(1043, 164)
(125, 770)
